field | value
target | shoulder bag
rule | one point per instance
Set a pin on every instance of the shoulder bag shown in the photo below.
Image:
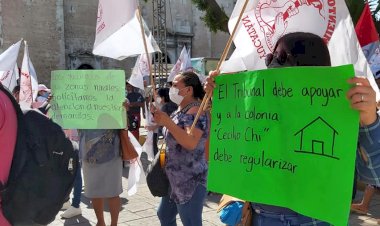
(156, 177)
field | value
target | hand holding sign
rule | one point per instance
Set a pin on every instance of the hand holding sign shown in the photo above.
(363, 99)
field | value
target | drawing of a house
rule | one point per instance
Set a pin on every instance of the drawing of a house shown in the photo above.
(318, 138)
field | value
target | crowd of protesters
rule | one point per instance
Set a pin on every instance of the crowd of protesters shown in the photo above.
(185, 163)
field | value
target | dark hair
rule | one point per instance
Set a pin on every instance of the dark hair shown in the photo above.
(85, 67)
(377, 75)
(307, 49)
(192, 79)
(164, 93)
(16, 89)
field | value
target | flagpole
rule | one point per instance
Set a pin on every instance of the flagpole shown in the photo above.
(207, 97)
(145, 46)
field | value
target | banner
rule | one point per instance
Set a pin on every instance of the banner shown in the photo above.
(88, 99)
(286, 137)
(8, 61)
(265, 21)
(118, 32)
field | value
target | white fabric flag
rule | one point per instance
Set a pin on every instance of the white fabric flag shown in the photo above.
(15, 75)
(136, 170)
(26, 93)
(16, 71)
(8, 61)
(148, 144)
(186, 64)
(183, 64)
(140, 70)
(28, 80)
(118, 32)
(33, 73)
(265, 21)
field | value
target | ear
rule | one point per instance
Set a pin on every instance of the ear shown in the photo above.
(191, 89)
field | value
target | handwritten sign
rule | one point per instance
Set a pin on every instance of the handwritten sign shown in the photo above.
(88, 99)
(286, 137)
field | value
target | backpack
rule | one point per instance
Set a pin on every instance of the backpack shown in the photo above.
(43, 170)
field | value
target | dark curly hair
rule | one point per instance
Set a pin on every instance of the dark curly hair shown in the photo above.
(164, 93)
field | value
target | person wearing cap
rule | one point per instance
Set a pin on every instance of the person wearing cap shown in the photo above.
(43, 93)
(43, 99)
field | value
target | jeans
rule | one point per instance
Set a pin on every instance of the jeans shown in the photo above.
(77, 189)
(265, 218)
(190, 212)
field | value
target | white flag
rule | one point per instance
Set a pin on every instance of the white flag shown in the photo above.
(33, 73)
(14, 77)
(136, 171)
(16, 71)
(183, 64)
(265, 21)
(140, 70)
(118, 32)
(28, 81)
(8, 61)
(148, 144)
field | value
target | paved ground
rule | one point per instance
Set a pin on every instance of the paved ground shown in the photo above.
(140, 209)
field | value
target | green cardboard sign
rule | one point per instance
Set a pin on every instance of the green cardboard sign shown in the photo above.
(286, 137)
(88, 99)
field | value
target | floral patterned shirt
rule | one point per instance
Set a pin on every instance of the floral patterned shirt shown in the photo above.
(186, 169)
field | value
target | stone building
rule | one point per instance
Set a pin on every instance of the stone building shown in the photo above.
(61, 33)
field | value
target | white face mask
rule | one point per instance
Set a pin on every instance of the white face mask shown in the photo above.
(174, 96)
(158, 100)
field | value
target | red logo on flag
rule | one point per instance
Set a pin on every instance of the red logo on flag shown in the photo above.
(101, 24)
(274, 18)
(100, 12)
(6, 75)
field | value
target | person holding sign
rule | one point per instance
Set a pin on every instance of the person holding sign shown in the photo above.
(306, 49)
(185, 166)
(102, 171)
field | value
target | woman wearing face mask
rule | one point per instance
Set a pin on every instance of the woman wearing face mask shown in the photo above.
(185, 165)
(164, 101)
